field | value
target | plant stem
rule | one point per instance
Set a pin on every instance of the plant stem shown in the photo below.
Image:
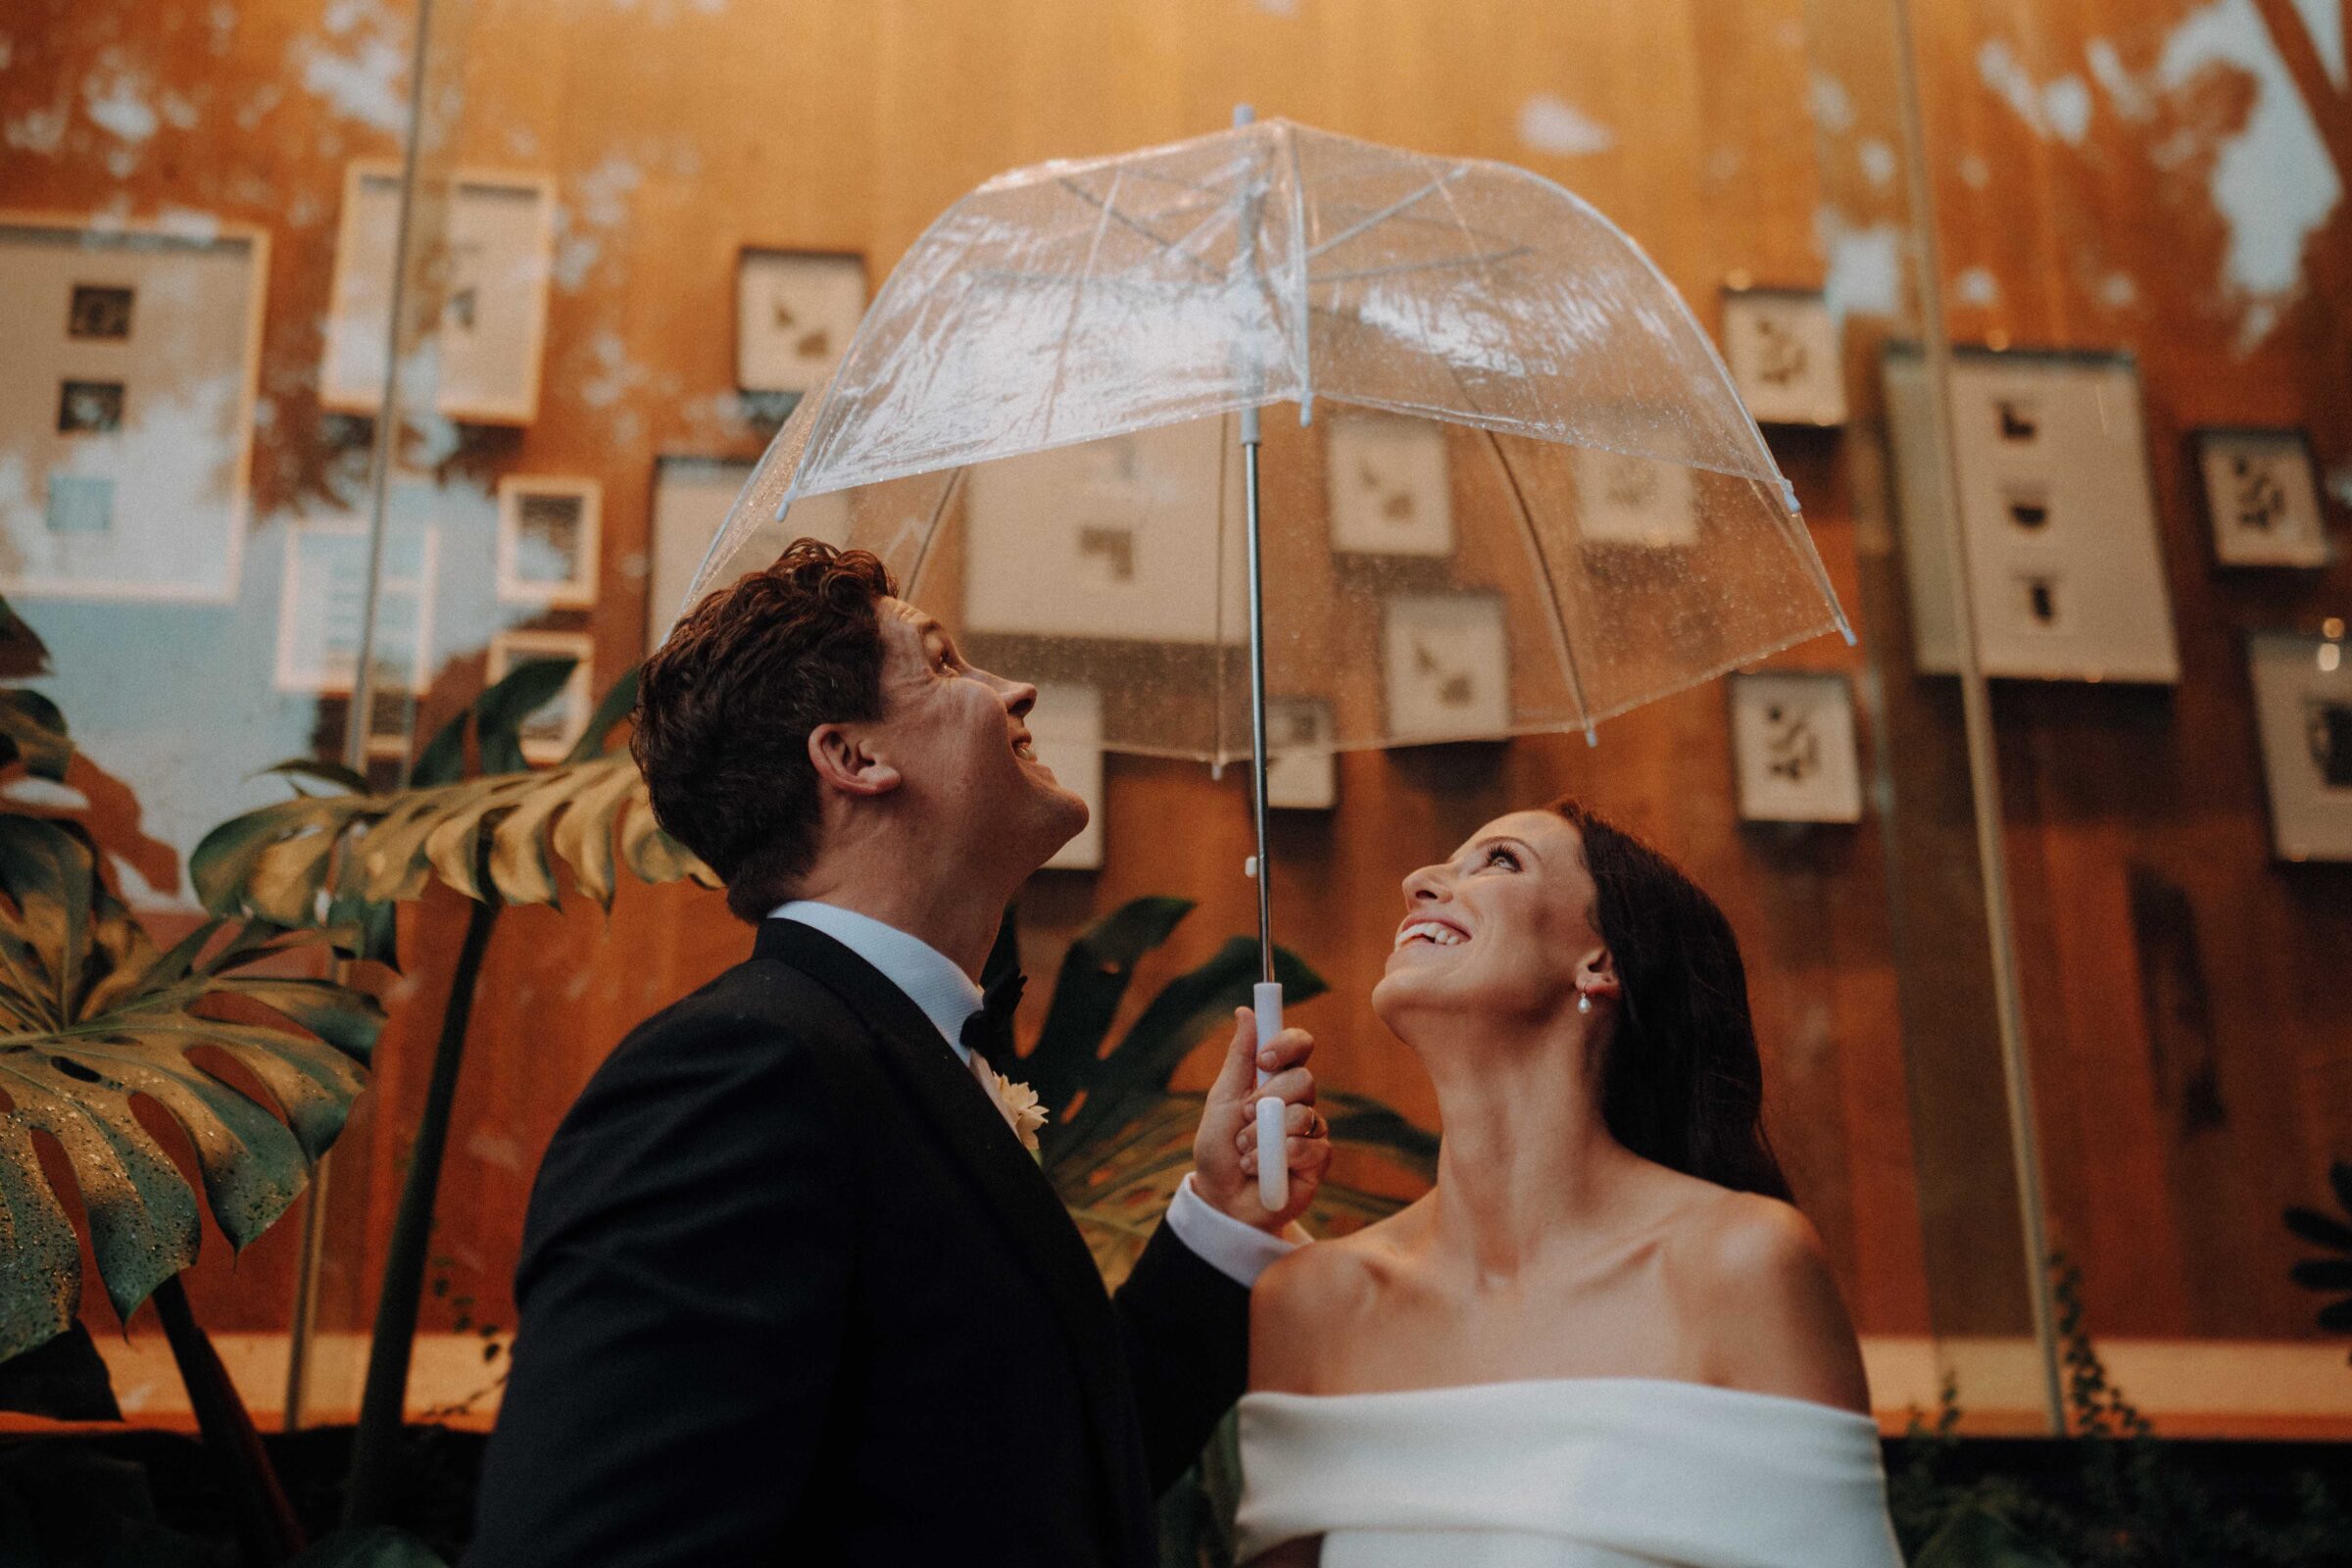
(384, 1398)
(265, 1523)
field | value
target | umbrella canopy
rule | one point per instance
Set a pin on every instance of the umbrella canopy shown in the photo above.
(1528, 498)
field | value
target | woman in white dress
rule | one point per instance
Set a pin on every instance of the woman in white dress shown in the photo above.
(1605, 1339)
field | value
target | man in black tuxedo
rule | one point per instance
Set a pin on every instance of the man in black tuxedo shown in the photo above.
(792, 1289)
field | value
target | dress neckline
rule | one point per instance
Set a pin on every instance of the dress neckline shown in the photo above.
(1680, 1388)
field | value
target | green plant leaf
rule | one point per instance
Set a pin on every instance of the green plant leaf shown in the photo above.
(318, 770)
(498, 713)
(1977, 1537)
(120, 1021)
(369, 1546)
(33, 731)
(1094, 976)
(1363, 1122)
(615, 705)
(2319, 1230)
(63, 1379)
(1187, 1010)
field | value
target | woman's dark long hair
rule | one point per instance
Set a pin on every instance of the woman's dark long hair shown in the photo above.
(1681, 1083)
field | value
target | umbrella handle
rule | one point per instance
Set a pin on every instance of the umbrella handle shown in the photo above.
(1273, 1169)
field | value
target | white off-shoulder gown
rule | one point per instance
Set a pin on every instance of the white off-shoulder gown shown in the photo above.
(1565, 1473)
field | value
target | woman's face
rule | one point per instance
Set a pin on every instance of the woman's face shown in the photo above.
(1503, 927)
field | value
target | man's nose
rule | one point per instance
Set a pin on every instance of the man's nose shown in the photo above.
(1020, 697)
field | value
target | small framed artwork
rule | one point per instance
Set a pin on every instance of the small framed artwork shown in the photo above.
(550, 732)
(322, 600)
(692, 496)
(1102, 539)
(1793, 746)
(1301, 773)
(494, 260)
(548, 541)
(2303, 710)
(1447, 667)
(2262, 497)
(126, 413)
(1642, 503)
(2057, 513)
(1385, 480)
(1066, 728)
(795, 313)
(1782, 347)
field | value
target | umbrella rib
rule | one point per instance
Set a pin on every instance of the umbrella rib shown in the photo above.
(1551, 592)
(1390, 211)
(1103, 206)
(1488, 259)
(1061, 350)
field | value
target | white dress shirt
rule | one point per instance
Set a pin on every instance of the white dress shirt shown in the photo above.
(947, 996)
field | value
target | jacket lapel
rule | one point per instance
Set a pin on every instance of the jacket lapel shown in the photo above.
(1020, 1198)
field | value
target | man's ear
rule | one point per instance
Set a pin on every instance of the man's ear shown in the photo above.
(843, 762)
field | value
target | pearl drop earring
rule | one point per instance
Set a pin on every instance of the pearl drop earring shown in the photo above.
(1584, 1004)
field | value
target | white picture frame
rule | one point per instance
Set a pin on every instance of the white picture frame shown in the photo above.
(692, 496)
(2303, 716)
(496, 261)
(2262, 497)
(1793, 752)
(554, 728)
(1629, 501)
(550, 541)
(1104, 540)
(1387, 487)
(322, 594)
(1780, 345)
(127, 412)
(1065, 729)
(795, 313)
(1445, 660)
(2057, 513)
(1301, 770)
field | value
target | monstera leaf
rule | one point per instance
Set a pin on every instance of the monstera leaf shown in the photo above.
(2330, 1275)
(1118, 1141)
(91, 1014)
(350, 855)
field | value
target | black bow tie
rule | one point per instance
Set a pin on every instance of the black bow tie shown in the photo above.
(988, 1033)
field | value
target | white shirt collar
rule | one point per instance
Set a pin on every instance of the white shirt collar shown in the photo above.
(930, 978)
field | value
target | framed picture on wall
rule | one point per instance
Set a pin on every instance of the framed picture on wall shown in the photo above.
(1782, 347)
(1792, 745)
(550, 732)
(1065, 727)
(692, 496)
(1447, 664)
(1101, 540)
(322, 595)
(795, 313)
(493, 264)
(2303, 712)
(1385, 481)
(126, 406)
(2057, 512)
(1301, 773)
(2262, 497)
(1626, 500)
(549, 533)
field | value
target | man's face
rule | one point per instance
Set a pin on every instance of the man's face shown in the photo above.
(959, 738)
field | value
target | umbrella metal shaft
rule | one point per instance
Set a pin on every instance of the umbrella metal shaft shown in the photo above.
(1257, 695)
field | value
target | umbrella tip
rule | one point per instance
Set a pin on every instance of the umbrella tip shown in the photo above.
(1244, 114)
(1592, 738)
(1846, 632)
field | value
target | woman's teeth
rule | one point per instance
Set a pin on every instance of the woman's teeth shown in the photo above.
(1445, 936)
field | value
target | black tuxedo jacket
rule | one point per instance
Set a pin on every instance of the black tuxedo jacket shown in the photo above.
(791, 1291)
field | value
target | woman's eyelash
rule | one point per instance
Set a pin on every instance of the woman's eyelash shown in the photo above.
(1504, 855)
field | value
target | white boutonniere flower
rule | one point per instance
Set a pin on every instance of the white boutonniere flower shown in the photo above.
(1018, 1103)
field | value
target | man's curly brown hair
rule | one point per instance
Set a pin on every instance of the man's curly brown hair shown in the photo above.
(725, 706)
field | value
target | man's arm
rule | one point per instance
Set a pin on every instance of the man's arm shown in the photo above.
(681, 1299)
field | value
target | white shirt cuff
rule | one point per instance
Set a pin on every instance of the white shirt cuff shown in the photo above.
(1240, 1252)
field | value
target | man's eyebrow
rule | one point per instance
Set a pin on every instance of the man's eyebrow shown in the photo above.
(929, 626)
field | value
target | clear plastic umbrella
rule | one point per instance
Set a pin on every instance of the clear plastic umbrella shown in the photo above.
(1519, 493)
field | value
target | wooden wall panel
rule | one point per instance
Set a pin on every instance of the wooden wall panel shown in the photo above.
(678, 130)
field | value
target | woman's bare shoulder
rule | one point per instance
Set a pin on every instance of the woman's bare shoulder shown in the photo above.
(1766, 1290)
(1302, 1303)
